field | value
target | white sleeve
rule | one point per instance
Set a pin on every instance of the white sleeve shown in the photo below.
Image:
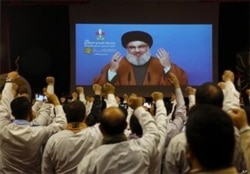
(82, 98)
(50, 89)
(161, 120)
(111, 101)
(231, 97)
(44, 116)
(151, 136)
(47, 166)
(5, 110)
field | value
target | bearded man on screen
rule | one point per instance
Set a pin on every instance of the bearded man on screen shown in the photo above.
(139, 67)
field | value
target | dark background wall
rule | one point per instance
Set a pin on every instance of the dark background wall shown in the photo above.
(39, 34)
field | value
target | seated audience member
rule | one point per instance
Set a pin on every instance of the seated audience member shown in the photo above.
(175, 159)
(117, 154)
(65, 149)
(210, 148)
(241, 121)
(21, 143)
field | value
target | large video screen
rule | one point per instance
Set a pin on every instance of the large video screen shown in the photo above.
(143, 54)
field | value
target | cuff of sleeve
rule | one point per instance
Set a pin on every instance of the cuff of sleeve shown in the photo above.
(244, 129)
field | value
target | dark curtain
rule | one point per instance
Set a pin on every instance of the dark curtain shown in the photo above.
(4, 56)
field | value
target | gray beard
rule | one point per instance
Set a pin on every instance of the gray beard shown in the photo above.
(139, 61)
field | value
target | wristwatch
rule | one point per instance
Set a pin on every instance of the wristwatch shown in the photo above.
(9, 80)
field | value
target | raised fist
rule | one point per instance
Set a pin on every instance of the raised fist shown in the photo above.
(13, 75)
(135, 102)
(157, 96)
(50, 80)
(97, 89)
(108, 88)
(190, 90)
(173, 80)
(228, 75)
(79, 89)
(74, 96)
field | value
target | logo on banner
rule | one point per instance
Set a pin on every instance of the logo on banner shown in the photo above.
(100, 34)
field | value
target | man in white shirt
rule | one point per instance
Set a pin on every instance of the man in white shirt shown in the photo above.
(21, 143)
(175, 160)
(117, 155)
(65, 149)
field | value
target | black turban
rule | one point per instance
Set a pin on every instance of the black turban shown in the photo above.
(136, 36)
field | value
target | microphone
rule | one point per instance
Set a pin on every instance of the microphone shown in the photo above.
(129, 77)
(149, 77)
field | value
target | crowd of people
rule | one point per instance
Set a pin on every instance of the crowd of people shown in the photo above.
(108, 134)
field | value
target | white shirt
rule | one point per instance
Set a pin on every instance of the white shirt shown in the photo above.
(65, 149)
(128, 157)
(20, 145)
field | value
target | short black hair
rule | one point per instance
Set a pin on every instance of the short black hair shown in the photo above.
(135, 126)
(209, 93)
(210, 135)
(20, 107)
(115, 123)
(75, 111)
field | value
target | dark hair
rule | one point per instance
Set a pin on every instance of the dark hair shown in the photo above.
(115, 122)
(210, 135)
(20, 107)
(135, 126)
(209, 93)
(75, 111)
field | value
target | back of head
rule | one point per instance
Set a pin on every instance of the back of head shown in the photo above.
(209, 93)
(21, 107)
(135, 126)
(210, 135)
(113, 121)
(75, 111)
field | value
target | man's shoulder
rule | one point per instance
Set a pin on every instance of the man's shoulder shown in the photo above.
(59, 136)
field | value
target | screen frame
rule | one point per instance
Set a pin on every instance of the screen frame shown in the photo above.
(157, 13)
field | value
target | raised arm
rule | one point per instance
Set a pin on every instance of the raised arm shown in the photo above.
(93, 117)
(109, 91)
(239, 119)
(231, 95)
(80, 91)
(8, 94)
(60, 121)
(150, 137)
(176, 125)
